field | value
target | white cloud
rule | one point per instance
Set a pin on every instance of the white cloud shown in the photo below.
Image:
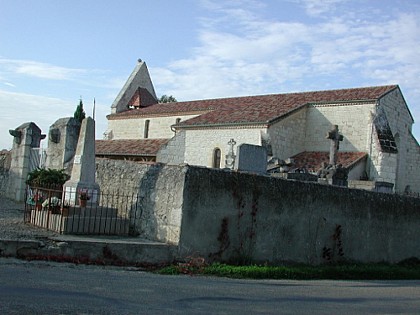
(39, 69)
(319, 7)
(254, 55)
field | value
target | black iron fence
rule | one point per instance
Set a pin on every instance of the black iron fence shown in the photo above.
(82, 212)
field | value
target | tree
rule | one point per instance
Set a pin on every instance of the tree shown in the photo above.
(167, 99)
(80, 114)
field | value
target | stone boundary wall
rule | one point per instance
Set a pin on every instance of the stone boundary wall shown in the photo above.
(244, 217)
(159, 188)
(225, 215)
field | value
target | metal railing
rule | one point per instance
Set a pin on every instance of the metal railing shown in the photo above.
(75, 212)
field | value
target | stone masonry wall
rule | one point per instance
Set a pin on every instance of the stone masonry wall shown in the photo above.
(400, 121)
(354, 123)
(200, 144)
(288, 135)
(223, 215)
(173, 152)
(133, 128)
(413, 165)
(159, 189)
(243, 217)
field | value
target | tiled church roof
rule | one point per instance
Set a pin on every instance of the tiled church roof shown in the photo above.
(314, 160)
(129, 147)
(253, 109)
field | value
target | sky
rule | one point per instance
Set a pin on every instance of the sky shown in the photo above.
(54, 52)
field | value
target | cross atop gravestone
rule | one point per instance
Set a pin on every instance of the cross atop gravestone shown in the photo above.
(230, 157)
(335, 138)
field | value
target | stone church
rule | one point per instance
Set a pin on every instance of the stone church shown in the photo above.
(375, 124)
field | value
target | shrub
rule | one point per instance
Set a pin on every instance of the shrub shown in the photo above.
(47, 177)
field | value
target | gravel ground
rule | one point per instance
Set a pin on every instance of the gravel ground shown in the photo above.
(12, 226)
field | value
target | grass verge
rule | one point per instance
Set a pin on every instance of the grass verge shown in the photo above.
(301, 272)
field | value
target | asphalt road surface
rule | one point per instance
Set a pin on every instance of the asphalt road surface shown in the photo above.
(52, 288)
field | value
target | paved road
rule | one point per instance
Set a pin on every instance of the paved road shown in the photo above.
(52, 288)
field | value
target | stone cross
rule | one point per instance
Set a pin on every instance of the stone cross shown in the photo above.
(230, 157)
(335, 138)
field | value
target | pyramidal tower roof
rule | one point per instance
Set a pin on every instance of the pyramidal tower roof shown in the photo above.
(139, 78)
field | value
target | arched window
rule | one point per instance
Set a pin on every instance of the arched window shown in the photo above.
(146, 129)
(216, 158)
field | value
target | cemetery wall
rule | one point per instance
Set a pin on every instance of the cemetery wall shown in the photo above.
(133, 128)
(231, 215)
(225, 215)
(159, 189)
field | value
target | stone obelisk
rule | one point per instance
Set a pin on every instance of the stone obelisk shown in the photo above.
(82, 180)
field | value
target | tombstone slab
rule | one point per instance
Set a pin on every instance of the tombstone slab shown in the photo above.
(251, 158)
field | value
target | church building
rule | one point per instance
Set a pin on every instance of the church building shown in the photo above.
(374, 122)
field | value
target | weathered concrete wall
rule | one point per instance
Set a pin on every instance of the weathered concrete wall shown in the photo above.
(230, 215)
(160, 189)
(220, 214)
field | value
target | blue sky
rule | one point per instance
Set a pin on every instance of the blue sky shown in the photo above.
(54, 52)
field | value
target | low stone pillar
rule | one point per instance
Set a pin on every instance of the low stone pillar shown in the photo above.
(27, 137)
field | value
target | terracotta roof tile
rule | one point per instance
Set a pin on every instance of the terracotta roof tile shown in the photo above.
(129, 147)
(253, 109)
(314, 160)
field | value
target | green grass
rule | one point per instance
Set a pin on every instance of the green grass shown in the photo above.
(301, 272)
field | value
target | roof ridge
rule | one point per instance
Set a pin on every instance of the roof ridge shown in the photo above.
(290, 93)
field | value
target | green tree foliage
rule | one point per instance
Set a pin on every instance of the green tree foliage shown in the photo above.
(80, 114)
(167, 99)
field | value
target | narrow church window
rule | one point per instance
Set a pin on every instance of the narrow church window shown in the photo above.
(178, 120)
(216, 158)
(146, 128)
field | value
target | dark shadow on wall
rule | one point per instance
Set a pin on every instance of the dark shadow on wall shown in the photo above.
(146, 217)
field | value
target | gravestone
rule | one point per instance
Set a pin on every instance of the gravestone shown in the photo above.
(82, 180)
(251, 158)
(62, 144)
